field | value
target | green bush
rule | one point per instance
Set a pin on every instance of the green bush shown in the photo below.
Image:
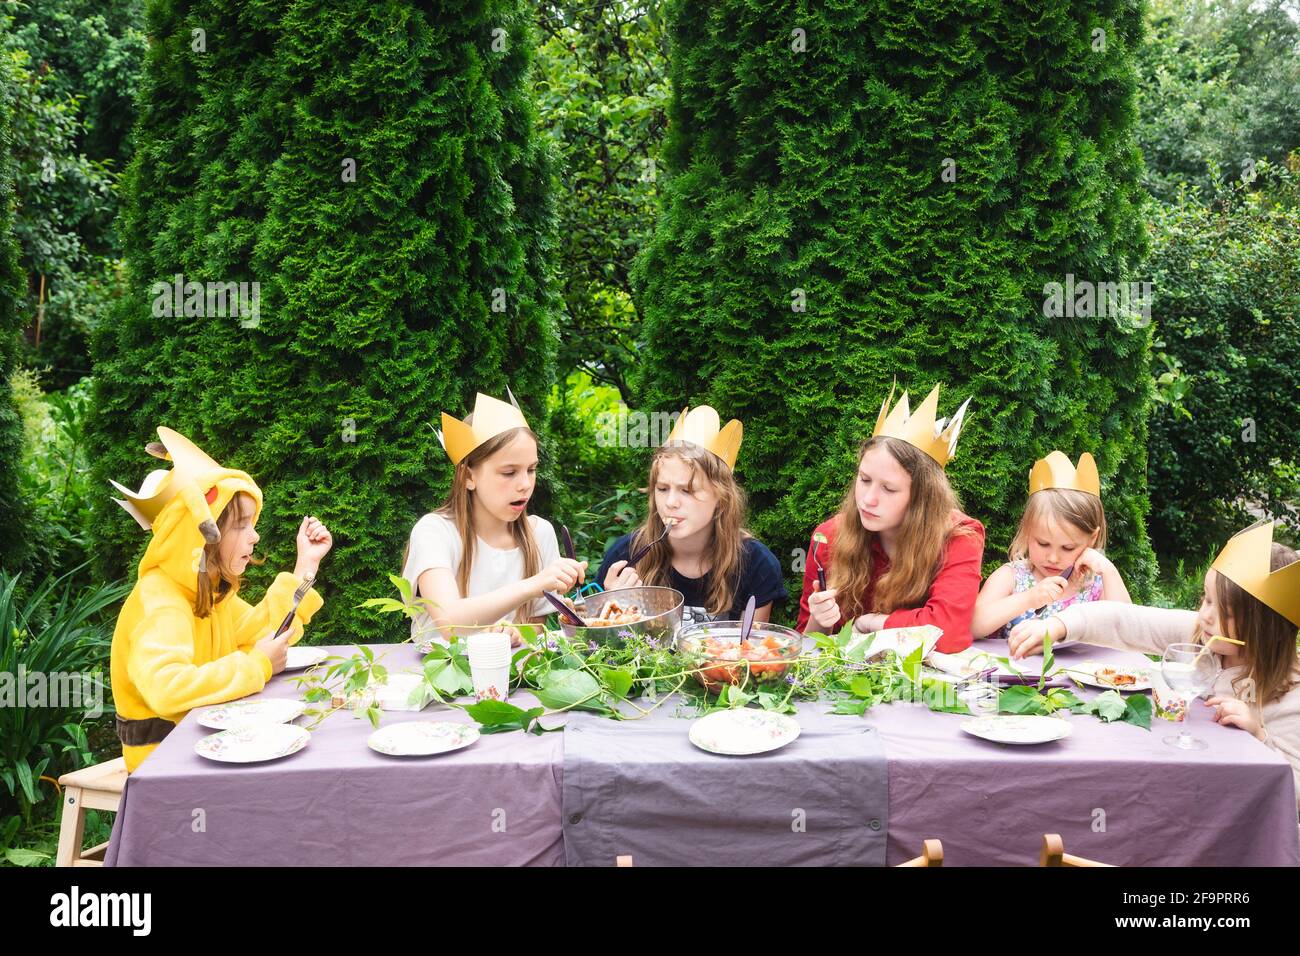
(376, 296)
(815, 179)
(1224, 448)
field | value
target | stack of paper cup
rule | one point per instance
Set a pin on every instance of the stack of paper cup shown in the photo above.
(489, 664)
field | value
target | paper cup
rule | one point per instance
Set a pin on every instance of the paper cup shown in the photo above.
(489, 664)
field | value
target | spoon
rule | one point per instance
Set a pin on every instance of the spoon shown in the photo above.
(747, 620)
(642, 551)
(564, 609)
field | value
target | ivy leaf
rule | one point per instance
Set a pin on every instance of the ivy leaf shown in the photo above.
(776, 702)
(498, 716)
(861, 686)
(619, 682)
(1109, 705)
(1022, 699)
(565, 688)
(940, 697)
(853, 708)
(912, 664)
(1137, 711)
(1063, 697)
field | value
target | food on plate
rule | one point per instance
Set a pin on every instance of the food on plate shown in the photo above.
(1116, 676)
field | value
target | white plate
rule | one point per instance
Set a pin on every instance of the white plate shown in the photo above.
(1086, 673)
(422, 738)
(743, 731)
(249, 713)
(296, 658)
(1017, 728)
(253, 744)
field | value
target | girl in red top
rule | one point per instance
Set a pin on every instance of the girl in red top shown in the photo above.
(900, 553)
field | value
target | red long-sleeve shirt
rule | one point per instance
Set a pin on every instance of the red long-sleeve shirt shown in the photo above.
(951, 600)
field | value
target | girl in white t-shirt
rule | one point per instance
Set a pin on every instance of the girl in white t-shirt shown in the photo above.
(481, 558)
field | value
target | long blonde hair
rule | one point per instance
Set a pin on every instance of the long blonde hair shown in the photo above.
(930, 520)
(1078, 509)
(729, 532)
(459, 509)
(228, 581)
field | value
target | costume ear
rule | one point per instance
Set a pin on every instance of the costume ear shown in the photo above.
(197, 505)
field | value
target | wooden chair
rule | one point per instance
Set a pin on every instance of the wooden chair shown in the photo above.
(931, 855)
(94, 788)
(1054, 854)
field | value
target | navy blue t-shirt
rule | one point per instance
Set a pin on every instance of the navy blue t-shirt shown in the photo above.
(760, 575)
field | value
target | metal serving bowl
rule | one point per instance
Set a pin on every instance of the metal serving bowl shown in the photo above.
(661, 609)
(715, 646)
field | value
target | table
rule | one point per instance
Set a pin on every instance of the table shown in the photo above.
(1114, 792)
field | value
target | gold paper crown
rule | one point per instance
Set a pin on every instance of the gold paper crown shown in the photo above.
(491, 417)
(1056, 471)
(937, 437)
(1245, 561)
(702, 426)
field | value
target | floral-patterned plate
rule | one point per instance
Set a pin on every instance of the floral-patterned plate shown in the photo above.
(1123, 678)
(253, 744)
(743, 731)
(1018, 728)
(249, 713)
(296, 658)
(422, 738)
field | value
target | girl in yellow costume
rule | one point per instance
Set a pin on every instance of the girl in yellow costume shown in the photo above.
(184, 638)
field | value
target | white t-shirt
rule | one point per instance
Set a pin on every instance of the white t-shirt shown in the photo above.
(435, 543)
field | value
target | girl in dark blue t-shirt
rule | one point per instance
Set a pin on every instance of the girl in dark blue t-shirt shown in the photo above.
(707, 553)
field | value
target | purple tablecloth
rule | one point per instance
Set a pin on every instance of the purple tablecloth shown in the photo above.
(1114, 792)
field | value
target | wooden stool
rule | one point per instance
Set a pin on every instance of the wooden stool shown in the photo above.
(1054, 854)
(931, 855)
(94, 788)
(623, 861)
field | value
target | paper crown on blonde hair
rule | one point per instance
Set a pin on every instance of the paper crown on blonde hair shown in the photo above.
(937, 437)
(1056, 471)
(490, 418)
(1245, 561)
(702, 426)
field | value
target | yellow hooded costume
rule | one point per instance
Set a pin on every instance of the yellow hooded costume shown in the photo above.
(166, 660)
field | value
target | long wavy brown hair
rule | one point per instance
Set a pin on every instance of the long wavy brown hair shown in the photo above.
(459, 509)
(729, 532)
(1269, 654)
(930, 520)
(206, 594)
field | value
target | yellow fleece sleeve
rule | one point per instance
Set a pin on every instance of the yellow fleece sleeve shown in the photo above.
(254, 622)
(161, 664)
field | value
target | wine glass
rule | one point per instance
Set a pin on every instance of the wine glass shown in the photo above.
(1189, 670)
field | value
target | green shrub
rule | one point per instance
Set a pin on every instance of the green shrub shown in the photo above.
(1227, 311)
(376, 296)
(13, 510)
(815, 180)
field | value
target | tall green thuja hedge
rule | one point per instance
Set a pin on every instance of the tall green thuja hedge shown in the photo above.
(377, 295)
(816, 179)
(13, 545)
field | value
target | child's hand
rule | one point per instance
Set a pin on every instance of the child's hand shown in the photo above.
(1091, 562)
(823, 609)
(621, 575)
(1027, 637)
(1046, 591)
(276, 650)
(561, 575)
(314, 542)
(1232, 712)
